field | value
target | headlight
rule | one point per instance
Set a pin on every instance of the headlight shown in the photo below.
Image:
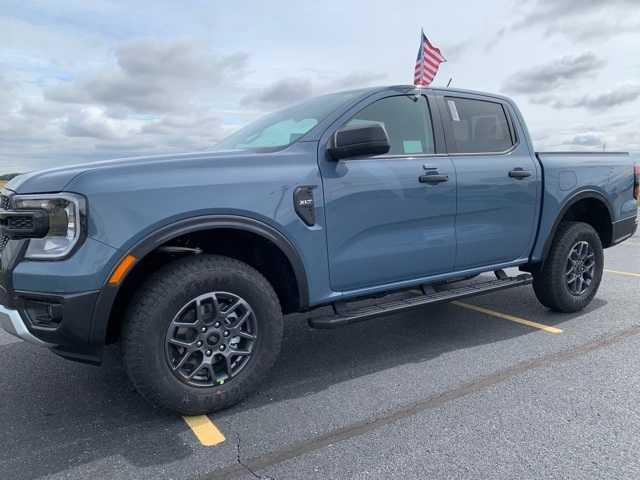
(66, 212)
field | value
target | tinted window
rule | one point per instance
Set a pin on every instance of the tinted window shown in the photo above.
(406, 120)
(478, 126)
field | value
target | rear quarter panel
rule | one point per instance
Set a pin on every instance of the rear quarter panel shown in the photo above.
(569, 175)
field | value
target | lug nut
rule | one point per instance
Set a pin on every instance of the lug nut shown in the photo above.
(222, 347)
(217, 324)
(226, 333)
(199, 343)
(203, 329)
(208, 352)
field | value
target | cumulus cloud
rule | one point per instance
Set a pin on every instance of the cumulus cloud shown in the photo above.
(587, 139)
(93, 123)
(281, 92)
(294, 89)
(152, 76)
(543, 78)
(617, 96)
(541, 11)
(156, 96)
(584, 21)
(619, 132)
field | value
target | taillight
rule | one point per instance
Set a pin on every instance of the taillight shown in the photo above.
(636, 190)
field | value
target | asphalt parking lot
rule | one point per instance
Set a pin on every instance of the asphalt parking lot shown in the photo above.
(506, 390)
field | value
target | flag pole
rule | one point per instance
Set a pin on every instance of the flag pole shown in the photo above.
(419, 86)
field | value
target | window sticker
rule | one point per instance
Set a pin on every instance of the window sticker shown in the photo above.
(412, 146)
(454, 111)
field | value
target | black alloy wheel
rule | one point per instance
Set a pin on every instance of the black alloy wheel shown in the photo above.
(211, 339)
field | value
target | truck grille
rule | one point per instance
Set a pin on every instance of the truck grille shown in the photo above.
(4, 205)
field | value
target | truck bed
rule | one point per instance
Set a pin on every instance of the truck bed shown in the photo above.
(568, 175)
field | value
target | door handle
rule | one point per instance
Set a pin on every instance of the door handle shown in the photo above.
(433, 178)
(519, 173)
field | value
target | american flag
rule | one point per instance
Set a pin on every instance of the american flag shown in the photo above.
(427, 63)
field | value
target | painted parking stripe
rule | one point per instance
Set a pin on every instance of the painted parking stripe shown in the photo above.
(630, 243)
(205, 430)
(620, 272)
(511, 318)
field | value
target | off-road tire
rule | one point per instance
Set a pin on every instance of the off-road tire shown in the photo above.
(550, 282)
(154, 306)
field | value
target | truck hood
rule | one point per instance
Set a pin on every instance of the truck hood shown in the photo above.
(56, 179)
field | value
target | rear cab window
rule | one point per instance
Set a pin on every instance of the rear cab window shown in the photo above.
(477, 126)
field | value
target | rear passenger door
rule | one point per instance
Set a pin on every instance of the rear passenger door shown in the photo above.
(498, 181)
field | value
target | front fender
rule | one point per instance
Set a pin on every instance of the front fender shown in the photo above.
(161, 236)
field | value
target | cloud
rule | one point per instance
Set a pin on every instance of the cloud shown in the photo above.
(617, 96)
(352, 80)
(542, 78)
(93, 123)
(545, 11)
(281, 92)
(587, 139)
(619, 132)
(455, 51)
(583, 21)
(154, 97)
(612, 98)
(153, 76)
(294, 89)
(149, 97)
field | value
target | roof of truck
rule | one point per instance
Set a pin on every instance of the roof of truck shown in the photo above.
(405, 88)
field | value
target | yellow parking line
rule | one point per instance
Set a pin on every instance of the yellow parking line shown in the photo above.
(511, 318)
(619, 272)
(631, 243)
(205, 430)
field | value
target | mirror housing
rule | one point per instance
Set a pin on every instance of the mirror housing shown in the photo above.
(357, 141)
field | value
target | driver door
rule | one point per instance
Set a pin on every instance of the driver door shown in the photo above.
(384, 225)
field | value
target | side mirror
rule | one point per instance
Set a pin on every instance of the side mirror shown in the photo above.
(356, 141)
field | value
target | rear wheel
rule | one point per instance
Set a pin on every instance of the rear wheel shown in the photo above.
(201, 334)
(572, 273)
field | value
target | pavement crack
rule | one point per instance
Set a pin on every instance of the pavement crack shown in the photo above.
(245, 466)
(365, 426)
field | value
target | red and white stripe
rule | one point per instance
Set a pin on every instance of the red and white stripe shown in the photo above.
(427, 63)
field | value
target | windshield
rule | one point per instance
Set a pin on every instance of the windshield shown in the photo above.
(282, 128)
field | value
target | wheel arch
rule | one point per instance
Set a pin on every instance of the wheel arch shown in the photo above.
(574, 209)
(110, 294)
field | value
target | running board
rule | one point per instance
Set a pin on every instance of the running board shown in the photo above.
(345, 316)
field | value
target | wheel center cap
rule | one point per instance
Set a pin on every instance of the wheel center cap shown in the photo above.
(213, 339)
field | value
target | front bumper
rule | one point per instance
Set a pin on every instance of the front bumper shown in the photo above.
(62, 322)
(12, 322)
(40, 302)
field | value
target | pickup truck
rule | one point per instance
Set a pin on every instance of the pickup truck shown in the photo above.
(371, 201)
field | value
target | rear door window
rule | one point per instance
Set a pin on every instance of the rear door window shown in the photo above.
(477, 126)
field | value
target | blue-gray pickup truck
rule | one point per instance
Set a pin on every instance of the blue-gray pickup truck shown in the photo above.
(190, 261)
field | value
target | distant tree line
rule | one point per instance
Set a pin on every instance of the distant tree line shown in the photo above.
(8, 176)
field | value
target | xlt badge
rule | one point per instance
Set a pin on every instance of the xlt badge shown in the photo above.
(303, 204)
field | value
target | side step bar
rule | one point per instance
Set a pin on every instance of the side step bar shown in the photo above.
(345, 316)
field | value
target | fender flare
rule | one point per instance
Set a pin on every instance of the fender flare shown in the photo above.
(108, 293)
(565, 208)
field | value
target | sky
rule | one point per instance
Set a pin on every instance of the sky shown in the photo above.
(82, 81)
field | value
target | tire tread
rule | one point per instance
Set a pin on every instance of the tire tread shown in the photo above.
(143, 313)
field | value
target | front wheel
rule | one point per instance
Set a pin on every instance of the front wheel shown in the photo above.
(573, 270)
(201, 334)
